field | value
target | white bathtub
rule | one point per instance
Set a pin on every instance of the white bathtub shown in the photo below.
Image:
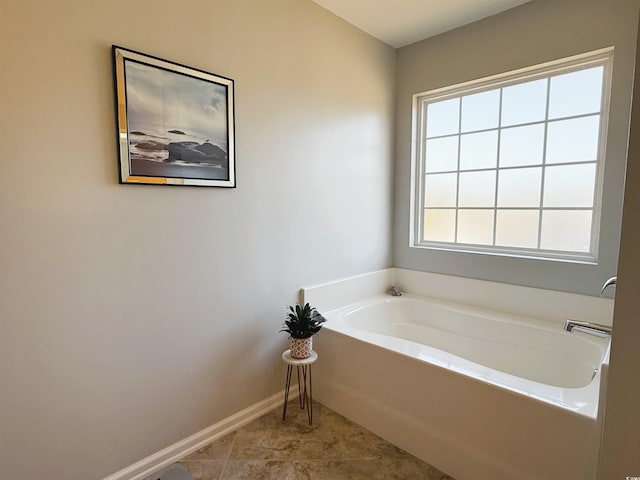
(523, 355)
(477, 393)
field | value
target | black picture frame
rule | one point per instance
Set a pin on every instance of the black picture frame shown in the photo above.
(175, 124)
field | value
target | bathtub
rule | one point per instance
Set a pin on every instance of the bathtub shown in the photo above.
(478, 393)
(515, 353)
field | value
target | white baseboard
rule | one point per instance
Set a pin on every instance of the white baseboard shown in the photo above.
(165, 457)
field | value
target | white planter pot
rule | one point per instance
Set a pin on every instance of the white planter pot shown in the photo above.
(301, 347)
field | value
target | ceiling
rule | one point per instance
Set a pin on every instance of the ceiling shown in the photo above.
(401, 22)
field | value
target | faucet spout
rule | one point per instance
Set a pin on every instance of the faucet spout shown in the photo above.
(394, 292)
(608, 283)
(591, 328)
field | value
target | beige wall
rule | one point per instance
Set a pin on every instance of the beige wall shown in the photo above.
(133, 316)
(533, 33)
(619, 454)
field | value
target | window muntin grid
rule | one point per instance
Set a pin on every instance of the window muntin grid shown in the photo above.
(513, 164)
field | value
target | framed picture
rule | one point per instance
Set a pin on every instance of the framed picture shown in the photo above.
(175, 124)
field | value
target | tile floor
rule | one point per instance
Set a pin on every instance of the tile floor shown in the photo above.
(333, 448)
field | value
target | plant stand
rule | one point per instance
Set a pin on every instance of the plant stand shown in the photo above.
(303, 365)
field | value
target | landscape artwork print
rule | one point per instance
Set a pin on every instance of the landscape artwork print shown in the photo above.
(175, 123)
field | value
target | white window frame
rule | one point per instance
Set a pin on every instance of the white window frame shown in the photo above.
(603, 57)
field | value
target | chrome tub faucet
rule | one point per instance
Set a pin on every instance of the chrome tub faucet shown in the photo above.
(590, 327)
(608, 283)
(587, 327)
(394, 292)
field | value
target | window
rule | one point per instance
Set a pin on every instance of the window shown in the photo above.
(512, 164)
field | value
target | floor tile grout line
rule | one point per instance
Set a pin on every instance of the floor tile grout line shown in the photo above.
(233, 442)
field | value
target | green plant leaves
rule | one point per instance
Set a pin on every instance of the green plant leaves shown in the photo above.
(303, 321)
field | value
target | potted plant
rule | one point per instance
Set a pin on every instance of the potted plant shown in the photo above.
(301, 324)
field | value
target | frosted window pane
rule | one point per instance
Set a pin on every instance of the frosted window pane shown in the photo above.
(576, 93)
(475, 226)
(440, 225)
(477, 189)
(519, 187)
(573, 140)
(442, 154)
(524, 103)
(479, 150)
(443, 117)
(440, 190)
(521, 146)
(480, 111)
(569, 186)
(517, 228)
(566, 230)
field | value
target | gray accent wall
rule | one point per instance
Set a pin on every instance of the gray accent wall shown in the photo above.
(533, 33)
(133, 316)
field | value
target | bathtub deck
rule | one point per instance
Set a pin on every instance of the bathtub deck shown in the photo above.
(333, 448)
